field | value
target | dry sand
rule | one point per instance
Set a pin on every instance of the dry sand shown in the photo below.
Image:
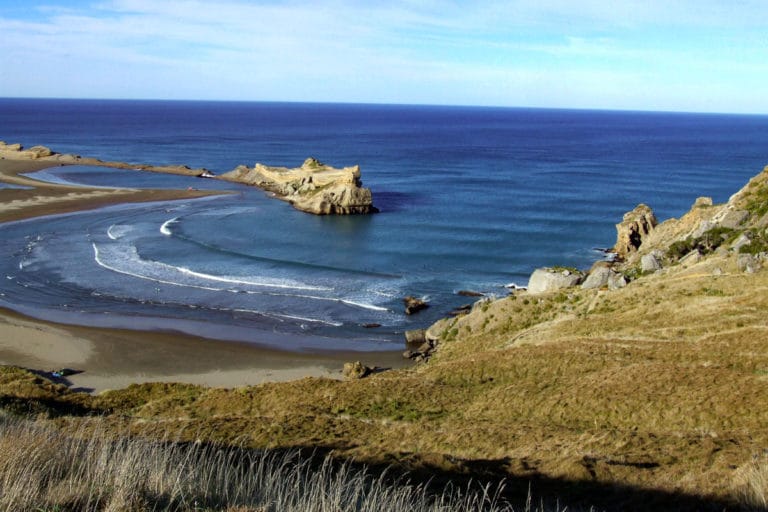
(113, 358)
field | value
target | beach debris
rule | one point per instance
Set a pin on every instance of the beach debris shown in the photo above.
(356, 370)
(64, 372)
(414, 305)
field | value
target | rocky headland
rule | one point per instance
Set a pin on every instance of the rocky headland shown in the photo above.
(313, 188)
(735, 229)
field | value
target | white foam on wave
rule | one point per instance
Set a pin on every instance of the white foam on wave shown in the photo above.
(363, 305)
(263, 283)
(162, 273)
(97, 256)
(117, 231)
(290, 317)
(166, 227)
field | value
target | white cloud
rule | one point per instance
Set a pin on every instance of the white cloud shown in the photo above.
(508, 52)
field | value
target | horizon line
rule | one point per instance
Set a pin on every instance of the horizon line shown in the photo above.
(394, 104)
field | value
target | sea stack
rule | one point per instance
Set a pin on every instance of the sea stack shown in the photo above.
(314, 187)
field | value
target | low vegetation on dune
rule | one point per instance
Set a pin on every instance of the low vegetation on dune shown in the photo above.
(651, 396)
(48, 469)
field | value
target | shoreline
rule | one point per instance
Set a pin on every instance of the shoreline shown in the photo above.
(115, 358)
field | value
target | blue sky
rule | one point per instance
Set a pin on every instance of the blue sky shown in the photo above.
(679, 55)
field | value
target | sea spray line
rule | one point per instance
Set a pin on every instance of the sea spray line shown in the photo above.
(100, 261)
(262, 313)
(278, 316)
(224, 250)
(165, 228)
(207, 277)
(117, 231)
(362, 305)
(229, 279)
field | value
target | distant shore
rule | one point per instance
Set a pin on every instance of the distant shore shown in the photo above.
(114, 358)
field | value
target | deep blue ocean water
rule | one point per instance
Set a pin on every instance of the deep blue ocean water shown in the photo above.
(470, 198)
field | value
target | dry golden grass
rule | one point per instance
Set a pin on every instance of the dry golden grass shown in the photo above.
(46, 469)
(659, 389)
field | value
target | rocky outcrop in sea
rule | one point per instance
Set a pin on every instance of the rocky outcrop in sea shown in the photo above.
(314, 187)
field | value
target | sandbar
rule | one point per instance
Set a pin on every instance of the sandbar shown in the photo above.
(115, 358)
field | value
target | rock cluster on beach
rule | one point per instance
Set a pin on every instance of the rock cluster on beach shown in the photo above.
(314, 187)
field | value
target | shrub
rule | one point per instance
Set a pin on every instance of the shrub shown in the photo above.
(706, 243)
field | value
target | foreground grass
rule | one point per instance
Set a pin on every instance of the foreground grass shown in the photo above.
(650, 397)
(45, 469)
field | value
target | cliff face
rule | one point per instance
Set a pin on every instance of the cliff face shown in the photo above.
(738, 223)
(314, 187)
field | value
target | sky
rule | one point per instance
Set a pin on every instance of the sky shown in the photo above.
(668, 55)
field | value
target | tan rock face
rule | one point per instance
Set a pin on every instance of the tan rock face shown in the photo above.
(633, 229)
(314, 187)
(17, 151)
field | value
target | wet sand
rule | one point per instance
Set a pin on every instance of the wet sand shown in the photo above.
(114, 358)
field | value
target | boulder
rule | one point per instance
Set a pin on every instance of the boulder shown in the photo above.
(469, 293)
(550, 279)
(733, 218)
(461, 310)
(414, 305)
(616, 280)
(598, 276)
(650, 263)
(748, 263)
(743, 240)
(422, 352)
(633, 229)
(691, 258)
(602, 275)
(39, 152)
(702, 202)
(356, 370)
(416, 337)
(702, 228)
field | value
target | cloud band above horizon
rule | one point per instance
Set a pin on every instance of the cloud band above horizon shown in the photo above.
(651, 55)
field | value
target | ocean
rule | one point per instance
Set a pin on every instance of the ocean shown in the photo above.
(471, 199)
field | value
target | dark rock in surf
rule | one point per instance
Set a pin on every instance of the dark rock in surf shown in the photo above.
(414, 305)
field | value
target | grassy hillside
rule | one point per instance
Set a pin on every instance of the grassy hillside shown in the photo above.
(648, 397)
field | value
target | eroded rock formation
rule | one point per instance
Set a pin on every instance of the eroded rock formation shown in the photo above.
(314, 187)
(633, 229)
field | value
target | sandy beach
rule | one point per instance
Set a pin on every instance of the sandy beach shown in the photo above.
(113, 358)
